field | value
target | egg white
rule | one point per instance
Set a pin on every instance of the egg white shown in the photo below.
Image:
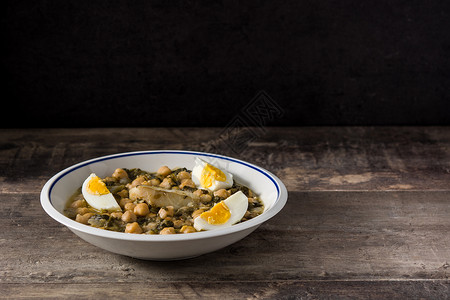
(237, 205)
(100, 202)
(216, 184)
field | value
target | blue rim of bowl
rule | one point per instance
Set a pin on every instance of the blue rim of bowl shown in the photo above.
(145, 237)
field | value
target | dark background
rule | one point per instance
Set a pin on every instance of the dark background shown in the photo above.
(189, 63)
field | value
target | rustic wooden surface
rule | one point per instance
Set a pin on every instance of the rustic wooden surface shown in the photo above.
(368, 216)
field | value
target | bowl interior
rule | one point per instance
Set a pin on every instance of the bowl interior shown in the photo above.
(65, 183)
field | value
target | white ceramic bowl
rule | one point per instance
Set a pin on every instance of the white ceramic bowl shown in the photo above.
(59, 188)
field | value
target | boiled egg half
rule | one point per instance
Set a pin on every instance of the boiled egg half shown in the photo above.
(223, 214)
(210, 177)
(97, 194)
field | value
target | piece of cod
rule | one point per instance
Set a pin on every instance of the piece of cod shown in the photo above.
(160, 197)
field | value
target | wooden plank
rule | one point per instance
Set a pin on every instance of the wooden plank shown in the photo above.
(436, 289)
(367, 217)
(321, 158)
(318, 236)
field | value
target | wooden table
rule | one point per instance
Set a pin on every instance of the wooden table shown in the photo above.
(368, 216)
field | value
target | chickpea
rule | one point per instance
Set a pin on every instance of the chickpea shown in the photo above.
(187, 229)
(117, 214)
(123, 193)
(133, 228)
(183, 175)
(83, 210)
(187, 182)
(162, 213)
(197, 213)
(138, 181)
(166, 212)
(119, 174)
(130, 206)
(154, 181)
(129, 217)
(141, 209)
(150, 226)
(222, 193)
(164, 171)
(124, 202)
(198, 193)
(177, 223)
(167, 183)
(205, 198)
(78, 203)
(167, 230)
(83, 218)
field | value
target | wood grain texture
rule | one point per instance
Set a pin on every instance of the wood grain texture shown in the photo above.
(318, 236)
(367, 217)
(235, 290)
(311, 158)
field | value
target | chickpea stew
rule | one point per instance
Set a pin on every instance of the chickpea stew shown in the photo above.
(163, 202)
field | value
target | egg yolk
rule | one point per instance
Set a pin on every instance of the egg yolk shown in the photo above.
(210, 173)
(97, 187)
(217, 215)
